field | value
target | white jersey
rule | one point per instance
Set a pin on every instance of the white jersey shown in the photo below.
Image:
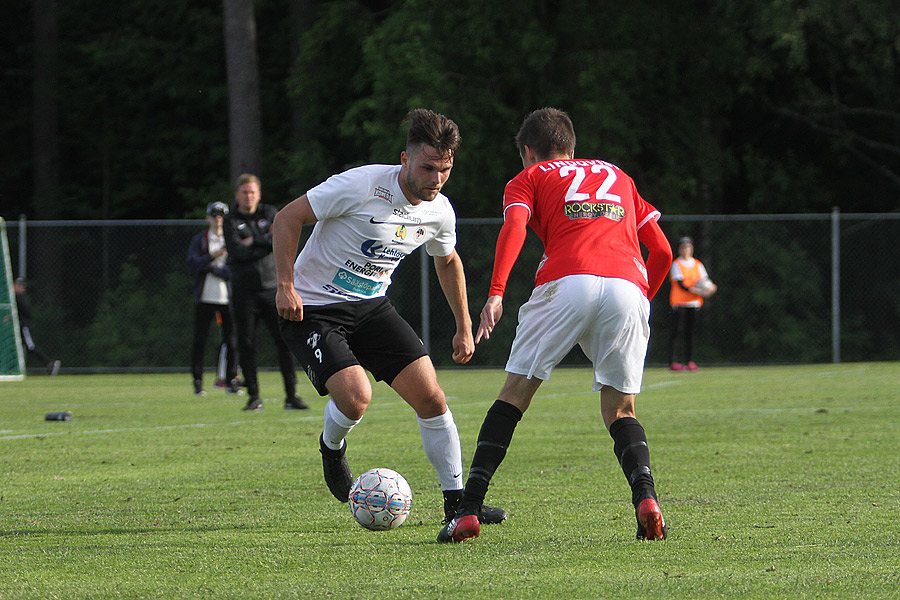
(215, 289)
(365, 227)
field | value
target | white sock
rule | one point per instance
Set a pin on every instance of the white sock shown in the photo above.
(337, 426)
(441, 442)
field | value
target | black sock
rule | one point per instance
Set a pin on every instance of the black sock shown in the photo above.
(634, 455)
(493, 440)
(452, 499)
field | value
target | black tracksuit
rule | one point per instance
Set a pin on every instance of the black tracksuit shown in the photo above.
(253, 286)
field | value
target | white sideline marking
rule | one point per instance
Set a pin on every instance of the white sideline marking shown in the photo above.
(662, 384)
(588, 392)
(383, 403)
(128, 429)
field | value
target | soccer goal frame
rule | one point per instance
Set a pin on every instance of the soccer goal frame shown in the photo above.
(12, 354)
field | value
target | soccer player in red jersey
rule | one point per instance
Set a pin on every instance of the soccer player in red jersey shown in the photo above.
(592, 288)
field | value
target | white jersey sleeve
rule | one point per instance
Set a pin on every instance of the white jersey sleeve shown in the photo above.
(703, 273)
(365, 227)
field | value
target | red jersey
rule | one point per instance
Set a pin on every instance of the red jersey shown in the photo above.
(587, 213)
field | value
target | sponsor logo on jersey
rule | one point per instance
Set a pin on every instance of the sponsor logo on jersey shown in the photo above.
(594, 210)
(336, 291)
(374, 249)
(420, 233)
(367, 270)
(353, 283)
(402, 214)
(384, 194)
(400, 233)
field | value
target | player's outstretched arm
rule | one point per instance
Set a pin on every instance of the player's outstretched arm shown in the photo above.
(452, 278)
(509, 244)
(286, 230)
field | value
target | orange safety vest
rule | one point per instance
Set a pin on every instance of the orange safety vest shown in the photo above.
(690, 276)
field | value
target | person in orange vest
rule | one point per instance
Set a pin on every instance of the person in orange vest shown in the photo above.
(690, 286)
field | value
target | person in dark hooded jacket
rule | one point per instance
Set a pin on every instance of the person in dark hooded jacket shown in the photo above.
(206, 261)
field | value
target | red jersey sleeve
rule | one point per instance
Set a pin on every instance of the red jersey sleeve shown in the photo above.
(520, 191)
(659, 256)
(509, 244)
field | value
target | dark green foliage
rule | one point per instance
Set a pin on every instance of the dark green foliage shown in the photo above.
(713, 107)
(144, 108)
(158, 321)
(772, 305)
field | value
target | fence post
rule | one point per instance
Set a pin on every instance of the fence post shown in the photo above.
(836, 285)
(425, 299)
(23, 247)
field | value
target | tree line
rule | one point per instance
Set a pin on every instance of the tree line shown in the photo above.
(148, 108)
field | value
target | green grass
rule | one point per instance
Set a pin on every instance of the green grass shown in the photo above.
(776, 482)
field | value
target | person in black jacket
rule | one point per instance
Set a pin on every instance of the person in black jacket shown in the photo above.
(248, 241)
(24, 309)
(206, 262)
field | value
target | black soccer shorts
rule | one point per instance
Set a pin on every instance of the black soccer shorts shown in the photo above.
(370, 333)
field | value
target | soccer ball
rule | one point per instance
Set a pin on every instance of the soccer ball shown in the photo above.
(706, 286)
(380, 499)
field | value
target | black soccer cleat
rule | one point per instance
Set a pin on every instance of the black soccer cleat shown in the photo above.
(295, 403)
(254, 404)
(488, 515)
(491, 515)
(231, 388)
(337, 470)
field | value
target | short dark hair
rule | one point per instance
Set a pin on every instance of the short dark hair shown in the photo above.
(548, 132)
(429, 128)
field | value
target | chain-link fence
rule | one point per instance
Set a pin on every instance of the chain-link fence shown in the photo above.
(114, 295)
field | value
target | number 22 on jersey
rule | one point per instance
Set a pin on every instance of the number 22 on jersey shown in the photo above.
(602, 193)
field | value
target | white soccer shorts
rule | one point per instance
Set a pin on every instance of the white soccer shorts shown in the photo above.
(607, 317)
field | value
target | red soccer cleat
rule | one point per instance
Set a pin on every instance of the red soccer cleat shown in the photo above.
(651, 525)
(460, 529)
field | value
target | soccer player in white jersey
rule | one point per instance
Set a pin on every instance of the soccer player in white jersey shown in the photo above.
(593, 288)
(336, 318)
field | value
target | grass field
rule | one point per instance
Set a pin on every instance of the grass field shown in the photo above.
(776, 482)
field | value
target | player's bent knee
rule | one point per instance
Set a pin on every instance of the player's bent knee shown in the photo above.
(428, 405)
